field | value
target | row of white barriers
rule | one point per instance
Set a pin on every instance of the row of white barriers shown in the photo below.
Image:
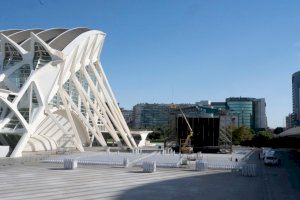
(120, 159)
(225, 165)
(162, 160)
(249, 170)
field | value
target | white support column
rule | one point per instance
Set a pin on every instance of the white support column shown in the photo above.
(86, 105)
(105, 121)
(113, 105)
(30, 103)
(17, 152)
(86, 122)
(77, 140)
(104, 108)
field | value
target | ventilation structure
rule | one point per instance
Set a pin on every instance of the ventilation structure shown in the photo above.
(54, 93)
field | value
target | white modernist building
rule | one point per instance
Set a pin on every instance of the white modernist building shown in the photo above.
(54, 93)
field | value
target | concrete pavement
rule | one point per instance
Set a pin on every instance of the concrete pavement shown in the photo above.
(43, 182)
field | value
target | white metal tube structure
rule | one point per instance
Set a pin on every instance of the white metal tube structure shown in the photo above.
(54, 92)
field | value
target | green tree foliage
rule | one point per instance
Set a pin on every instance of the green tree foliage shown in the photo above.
(278, 130)
(262, 138)
(159, 134)
(241, 135)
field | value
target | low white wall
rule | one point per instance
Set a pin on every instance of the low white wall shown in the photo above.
(4, 151)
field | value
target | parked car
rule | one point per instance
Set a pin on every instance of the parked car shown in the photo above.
(263, 152)
(271, 159)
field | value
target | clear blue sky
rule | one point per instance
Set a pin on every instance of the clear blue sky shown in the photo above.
(183, 51)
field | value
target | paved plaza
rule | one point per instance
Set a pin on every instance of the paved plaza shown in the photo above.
(45, 181)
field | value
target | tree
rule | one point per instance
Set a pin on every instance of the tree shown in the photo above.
(241, 135)
(278, 130)
(262, 138)
(159, 134)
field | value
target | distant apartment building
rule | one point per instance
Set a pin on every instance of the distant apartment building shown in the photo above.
(237, 111)
(127, 116)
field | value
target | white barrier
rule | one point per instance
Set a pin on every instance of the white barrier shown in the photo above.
(249, 170)
(137, 151)
(70, 164)
(227, 165)
(201, 165)
(149, 167)
(126, 162)
(162, 160)
(120, 159)
(4, 151)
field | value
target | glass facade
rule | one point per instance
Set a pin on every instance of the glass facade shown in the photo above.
(71, 90)
(151, 115)
(243, 108)
(20, 76)
(219, 105)
(11, 57)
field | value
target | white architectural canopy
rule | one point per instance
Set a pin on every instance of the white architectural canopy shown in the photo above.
(292, 132)
(54, 92)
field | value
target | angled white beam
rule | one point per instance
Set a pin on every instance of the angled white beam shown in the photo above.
(87, 108)
(98, 137)
(102, 104)
(106, 121)
(112, 104)
(77, 140)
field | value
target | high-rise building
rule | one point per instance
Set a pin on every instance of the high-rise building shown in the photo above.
(290, 121)
(260, 117)
(296, 98)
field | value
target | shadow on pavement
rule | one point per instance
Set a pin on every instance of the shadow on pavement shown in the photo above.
(213, 186)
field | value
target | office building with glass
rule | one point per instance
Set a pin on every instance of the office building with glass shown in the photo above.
(243, 108)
